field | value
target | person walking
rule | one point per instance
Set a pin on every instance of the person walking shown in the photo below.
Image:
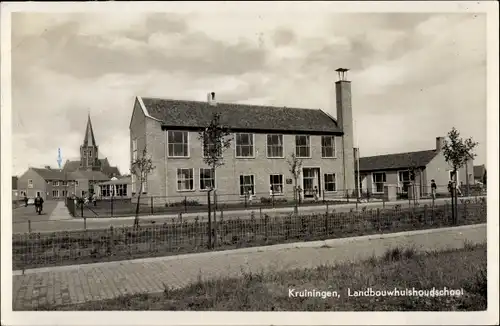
(38, 204)
(25, 201)
(433, 189)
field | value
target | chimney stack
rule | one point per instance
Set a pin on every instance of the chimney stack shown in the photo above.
(211, 99)
(439, 143)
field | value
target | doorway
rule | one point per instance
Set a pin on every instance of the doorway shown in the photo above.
(311, 180)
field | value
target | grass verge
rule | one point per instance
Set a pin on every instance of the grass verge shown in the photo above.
(398, 268)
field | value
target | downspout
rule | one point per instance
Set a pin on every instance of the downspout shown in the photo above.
(343, 160)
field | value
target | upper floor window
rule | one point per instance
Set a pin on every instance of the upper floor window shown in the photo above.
(244, 145)
(327, 146)
(275, 146)
(134, 150)
(178, 144)
(302, 146)
(55, 183)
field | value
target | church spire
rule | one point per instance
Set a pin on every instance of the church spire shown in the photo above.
(89, 139)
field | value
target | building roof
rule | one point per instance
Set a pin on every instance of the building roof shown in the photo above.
(73, 166)
(479, 170)
(89, 139)
(127, 180)
(89, 175)
(50, 174)
(196, 114)
(396, 161)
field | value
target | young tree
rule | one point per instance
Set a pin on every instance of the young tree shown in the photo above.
(141, 168)
(216, 138)
(457, 152)
(295, 168)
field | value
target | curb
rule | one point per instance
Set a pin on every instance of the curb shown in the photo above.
(295, 245)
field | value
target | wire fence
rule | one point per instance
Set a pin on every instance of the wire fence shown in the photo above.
(32, 250)
(193, 203)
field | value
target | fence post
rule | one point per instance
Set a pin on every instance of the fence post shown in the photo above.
(326, 221)
(245, 200)
(85, 223)
(378, 218)
(29, 226)
(152, 211)
(260, 212)
(215, 226)
(323, 191)
(209, 221)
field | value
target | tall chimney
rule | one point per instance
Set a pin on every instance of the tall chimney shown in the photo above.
(211, 99)
(345, 122)
(439, 143)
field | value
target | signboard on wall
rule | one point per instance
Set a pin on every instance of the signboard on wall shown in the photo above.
(288, 181)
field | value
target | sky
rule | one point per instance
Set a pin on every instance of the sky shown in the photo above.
(414, 75)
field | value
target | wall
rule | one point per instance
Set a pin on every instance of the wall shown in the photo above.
(227, 176)
(438, 169)
(137, 131)
(39, 184)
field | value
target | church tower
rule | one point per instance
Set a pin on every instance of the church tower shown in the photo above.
(88, 151)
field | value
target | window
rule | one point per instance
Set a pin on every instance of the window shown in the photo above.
(404, 180)
(302, 146)
(55, 193)
(378, 181)
(185, 180)
(105, 191)
(134, 150)
(121, 190)
(64, 183)
(30, 183)
(327, 146)
(55, 183)
(276, 181)
(244, 145)
(247, 184)
(330, 182)
(275, 146)
(64, 193)
(178, 144)
(207, 179)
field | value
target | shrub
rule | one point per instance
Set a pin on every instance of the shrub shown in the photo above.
(269, 200)
(184, 202)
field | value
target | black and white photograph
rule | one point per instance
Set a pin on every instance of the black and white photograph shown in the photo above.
(312, 157)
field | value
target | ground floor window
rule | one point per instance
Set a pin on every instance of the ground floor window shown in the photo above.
(106, 191)
(55, 193)
(64, 193)
(379, 180)
(404, 180)
(185, 179)
(276, 182)
(121, 190)
(330, 182)
(207, 179)
(247, 185)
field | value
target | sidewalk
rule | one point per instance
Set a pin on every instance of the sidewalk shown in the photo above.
(76, 284)
(60, 212)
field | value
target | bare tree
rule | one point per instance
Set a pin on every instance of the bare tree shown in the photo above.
(216, 138)
(295, 168)
(141, 168)
(457, 152)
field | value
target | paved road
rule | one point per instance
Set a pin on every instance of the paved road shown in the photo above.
(76, 284)
(23, 214)
(100, 223)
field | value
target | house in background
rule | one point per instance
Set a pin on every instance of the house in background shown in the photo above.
(117, 188)
(263, 139)
(394, 170)
(75, 178)
(480, 174)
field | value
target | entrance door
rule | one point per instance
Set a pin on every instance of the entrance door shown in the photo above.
(311, 181)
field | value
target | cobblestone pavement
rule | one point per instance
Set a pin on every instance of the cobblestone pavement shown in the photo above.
(76, 284)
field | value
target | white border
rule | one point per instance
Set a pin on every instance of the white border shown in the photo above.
(246, 318)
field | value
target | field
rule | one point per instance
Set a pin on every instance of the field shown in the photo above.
(33, 250)
(401, 269)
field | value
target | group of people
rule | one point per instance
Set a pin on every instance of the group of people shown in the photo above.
(458, 190)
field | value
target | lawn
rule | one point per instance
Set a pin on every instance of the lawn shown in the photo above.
(457, 269)
(79, 247)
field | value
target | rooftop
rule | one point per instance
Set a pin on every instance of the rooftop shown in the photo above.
(197, 114)
(396, 161)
